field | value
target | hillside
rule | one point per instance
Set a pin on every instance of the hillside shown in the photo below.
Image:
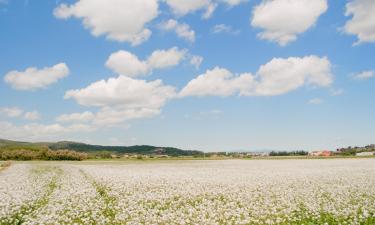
(82, 147)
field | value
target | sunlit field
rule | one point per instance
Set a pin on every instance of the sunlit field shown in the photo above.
(337, 191)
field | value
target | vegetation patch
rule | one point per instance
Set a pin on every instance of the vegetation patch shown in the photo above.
(28, 208)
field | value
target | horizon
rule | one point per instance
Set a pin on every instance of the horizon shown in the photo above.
(204, 75)
(212, 151)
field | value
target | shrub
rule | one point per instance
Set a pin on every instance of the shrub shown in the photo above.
(25, 153)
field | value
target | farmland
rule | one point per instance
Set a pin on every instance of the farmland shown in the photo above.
(335, 191)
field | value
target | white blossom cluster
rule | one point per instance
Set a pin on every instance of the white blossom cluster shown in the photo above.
(190, 192)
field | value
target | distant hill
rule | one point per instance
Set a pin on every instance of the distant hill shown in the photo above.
(82, 147)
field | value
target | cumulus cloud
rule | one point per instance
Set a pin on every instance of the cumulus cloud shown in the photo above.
(365, 75)
(277, 77)
(362, 23)
(123, 98)
(161, 59)
(119, 20)
(36, 131)
(183, 7)
(115, 117)
(76, 117)
(33, 115)
(282, 75)
(283, 20)
(217, 82)
(33, 78)
(182, 30)
(196, 61)
(14, 112)
(128, 64)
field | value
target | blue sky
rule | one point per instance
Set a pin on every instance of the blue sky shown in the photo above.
(202, 74)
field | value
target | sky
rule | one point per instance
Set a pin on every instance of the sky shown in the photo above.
(211, 75)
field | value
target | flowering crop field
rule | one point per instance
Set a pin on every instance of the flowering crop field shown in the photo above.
(334, 191)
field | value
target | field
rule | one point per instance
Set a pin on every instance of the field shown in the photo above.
(335, 191)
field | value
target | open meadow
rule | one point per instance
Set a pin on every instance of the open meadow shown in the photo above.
(336, 191)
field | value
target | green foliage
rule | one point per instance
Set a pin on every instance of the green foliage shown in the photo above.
(353, 150)
(100, 155)
(65, 150)
(285, 153)
(25, 153)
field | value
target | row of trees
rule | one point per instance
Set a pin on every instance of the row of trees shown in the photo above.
(285, 153)
(353, 150)
(39, 153)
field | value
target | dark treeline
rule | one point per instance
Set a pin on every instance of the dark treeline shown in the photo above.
(286, 153)
(137, 149)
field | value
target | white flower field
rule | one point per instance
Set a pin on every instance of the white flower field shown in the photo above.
(332, 191)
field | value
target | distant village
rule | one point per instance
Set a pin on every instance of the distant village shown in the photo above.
(349, 151)
(368, 150)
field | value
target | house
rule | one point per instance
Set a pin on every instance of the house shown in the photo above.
(324, 153)
(364, 154)
(258, 154)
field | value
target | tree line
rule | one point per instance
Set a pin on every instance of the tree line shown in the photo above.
(25, 153)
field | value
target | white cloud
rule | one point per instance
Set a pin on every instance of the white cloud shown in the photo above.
(282, 75)
(116, 117)
(277, 77)
(196, 61)
(365, 75)
(283, 20)
(315, 101)
(223, 28)
(12, 112)
(362, 23)
(210, 11)
(128, 64)
(40, 132)
(76, 117)
(123, 98)
(183, 7)
(233, 2)
(33, 78)
(217, 82)
(182, 30)
(160, 59)
(123, 92)
(33, 115)
(119, 20)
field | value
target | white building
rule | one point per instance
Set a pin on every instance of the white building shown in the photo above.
(364, 154)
